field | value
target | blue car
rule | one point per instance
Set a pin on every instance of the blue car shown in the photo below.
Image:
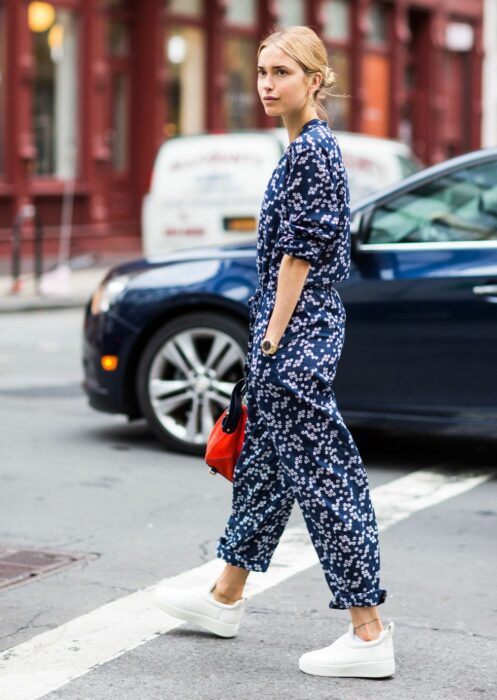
(165, 338)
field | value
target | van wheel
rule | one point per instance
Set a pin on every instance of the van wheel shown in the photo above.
(185, 377)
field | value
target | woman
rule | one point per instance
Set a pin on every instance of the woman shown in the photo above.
(296, 442)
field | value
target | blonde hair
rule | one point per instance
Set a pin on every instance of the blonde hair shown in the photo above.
(304, 46)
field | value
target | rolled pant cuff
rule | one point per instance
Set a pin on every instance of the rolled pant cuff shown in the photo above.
(235, 560)
(376, 596)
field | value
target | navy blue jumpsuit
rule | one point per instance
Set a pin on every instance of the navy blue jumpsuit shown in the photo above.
(297, 445)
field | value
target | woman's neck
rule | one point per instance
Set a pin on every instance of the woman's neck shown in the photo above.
(294, 123)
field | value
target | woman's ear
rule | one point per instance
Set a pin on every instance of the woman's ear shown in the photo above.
(311, 86)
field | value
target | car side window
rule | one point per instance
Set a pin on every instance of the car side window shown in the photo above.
(458, 206)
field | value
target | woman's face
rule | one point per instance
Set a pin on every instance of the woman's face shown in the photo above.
(282, 78)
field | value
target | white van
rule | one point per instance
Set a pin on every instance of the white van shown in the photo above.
(371, 162)
(207, 189)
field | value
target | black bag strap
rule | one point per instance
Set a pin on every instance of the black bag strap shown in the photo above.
(232, 418)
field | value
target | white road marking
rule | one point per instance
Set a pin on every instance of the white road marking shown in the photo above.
(402, 497)
(54, 658)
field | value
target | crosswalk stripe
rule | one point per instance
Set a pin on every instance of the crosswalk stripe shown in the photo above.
(400, 498)
(54, 658)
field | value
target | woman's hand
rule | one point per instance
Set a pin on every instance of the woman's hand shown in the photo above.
(291, 278)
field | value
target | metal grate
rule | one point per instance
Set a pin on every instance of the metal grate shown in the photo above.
(23, 565)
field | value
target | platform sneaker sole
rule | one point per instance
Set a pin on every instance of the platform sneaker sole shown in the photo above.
(223, 629)
(365, 669)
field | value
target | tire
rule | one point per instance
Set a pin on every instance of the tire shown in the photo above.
(195, 362)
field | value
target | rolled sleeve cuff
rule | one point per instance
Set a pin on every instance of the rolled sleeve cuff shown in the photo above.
(300, 245)
(375, 596)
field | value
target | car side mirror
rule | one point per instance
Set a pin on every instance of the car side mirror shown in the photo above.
(359, 226)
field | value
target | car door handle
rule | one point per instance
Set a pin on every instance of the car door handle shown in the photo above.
(485, 289)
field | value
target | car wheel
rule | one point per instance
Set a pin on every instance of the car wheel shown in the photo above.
(185, 377)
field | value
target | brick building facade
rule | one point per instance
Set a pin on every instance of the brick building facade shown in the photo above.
(90, 88)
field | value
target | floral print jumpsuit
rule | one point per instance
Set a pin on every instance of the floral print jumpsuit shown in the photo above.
(296, 444)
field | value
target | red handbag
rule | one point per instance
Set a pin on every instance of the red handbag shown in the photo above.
(225, 441)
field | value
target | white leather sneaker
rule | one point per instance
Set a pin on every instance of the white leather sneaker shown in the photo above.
(346, 657)
(198, 605)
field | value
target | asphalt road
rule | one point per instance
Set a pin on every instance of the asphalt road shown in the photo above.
(76, 481)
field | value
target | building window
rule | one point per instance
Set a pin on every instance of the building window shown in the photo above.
(290, 12)
(119, 143)
(192, 8)
(118, 51)
(337, 34)
(239, 98)
(185, 57)
(338, 108)
(55, 93)
(376, 24)
(118, 38)
(337, 20)
(377, 74)
(241, 12)
(2, 89)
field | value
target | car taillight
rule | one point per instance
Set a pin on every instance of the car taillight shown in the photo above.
(239, 224)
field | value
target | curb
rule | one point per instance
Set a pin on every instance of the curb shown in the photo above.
(70, 290)
(18, 305)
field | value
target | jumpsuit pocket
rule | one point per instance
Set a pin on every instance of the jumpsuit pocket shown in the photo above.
(298, 325)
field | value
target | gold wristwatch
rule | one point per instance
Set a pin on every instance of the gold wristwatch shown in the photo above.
(268, 347)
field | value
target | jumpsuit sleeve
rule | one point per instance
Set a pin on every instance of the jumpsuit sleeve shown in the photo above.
(311, 206)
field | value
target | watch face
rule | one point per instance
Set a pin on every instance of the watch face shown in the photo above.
(266, 345)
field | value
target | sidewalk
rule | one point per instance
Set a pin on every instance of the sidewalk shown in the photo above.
(64, 288)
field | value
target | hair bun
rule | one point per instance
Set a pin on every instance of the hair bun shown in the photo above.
(329, 77)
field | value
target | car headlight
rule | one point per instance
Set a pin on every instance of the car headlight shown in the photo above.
(107, 293)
